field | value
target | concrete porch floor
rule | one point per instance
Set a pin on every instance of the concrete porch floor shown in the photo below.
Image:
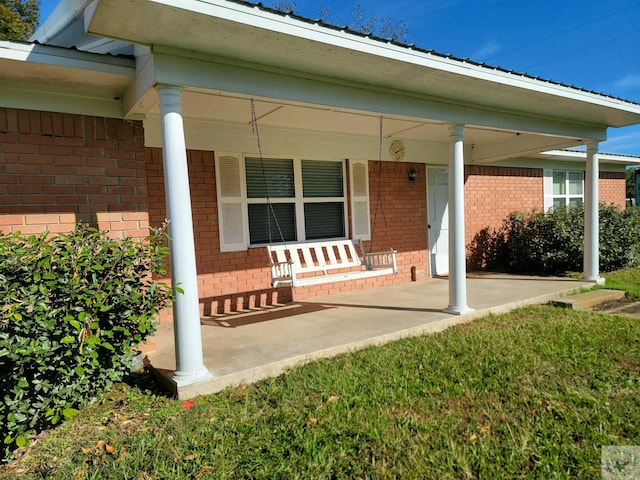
(249, 346)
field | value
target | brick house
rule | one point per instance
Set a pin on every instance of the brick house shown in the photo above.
(114, 122)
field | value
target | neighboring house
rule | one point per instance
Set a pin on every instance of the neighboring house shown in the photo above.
(125, 113)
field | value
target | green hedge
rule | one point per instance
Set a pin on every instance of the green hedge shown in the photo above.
(552, 243)
(74, 306)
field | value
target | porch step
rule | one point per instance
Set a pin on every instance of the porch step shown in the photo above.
(589, 299)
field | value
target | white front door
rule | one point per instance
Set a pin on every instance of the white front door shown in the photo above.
(438, 218)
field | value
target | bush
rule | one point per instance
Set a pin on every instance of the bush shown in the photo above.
(552, 243)
(546, 243)
(74, 306)
(619, 237)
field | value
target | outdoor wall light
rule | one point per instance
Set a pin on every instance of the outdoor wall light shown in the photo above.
(413, 175)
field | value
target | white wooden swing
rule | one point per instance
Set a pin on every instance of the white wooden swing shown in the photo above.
(312, 263)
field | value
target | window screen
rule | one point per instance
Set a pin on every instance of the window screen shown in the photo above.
(272, 177)
(324, 220)
(285, 218)
(322, 179)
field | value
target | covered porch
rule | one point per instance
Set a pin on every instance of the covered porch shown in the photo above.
(323, 94)
(254, 344)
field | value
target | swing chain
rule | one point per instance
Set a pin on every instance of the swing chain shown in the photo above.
(270, 209)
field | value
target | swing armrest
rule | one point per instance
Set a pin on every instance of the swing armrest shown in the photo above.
(282, 273)
(378, 260)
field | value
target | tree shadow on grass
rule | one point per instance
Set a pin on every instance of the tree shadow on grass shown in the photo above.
(145, 381)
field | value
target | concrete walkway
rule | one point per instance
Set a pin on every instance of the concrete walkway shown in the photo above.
(247, 347)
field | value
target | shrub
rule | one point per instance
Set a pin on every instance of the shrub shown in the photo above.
(547, 243)
(73, 308)
(619, 237)
(552, 243)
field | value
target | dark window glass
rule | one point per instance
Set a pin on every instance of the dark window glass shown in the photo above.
(324, 220)
(285, 219)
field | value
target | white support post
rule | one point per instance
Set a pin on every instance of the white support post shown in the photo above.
(591, 217)
(457, 254)
(190, 366)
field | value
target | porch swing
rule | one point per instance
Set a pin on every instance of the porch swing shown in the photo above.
(312, 263)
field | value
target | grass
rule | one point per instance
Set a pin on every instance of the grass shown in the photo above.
(534, 393)
(626, 279)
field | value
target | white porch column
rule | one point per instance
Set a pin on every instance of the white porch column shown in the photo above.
(591, 217)
(186, 309)
(457, 254)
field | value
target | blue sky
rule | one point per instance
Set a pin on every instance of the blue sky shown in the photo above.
(592, 44)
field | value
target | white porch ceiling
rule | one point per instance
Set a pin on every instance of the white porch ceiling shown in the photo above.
(217, 109)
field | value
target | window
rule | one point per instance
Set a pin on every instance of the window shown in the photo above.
(563, 188)
(306, 200)
(274, 178)
(318, 201)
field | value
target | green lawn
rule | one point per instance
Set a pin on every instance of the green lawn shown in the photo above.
(530, 394)
(626, 279)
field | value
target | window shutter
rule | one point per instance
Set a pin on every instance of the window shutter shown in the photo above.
(548, 189)
(231, 203)
(360, 217)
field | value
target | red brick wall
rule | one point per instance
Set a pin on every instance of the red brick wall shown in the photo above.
(612, 188)
(229, 281)
(492, 193)
(58, 169)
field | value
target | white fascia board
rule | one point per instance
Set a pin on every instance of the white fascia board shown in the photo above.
(176, 68)
(256, 17)
(64, 57)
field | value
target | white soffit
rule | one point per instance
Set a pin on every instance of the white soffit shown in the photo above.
(50, 78)
(28, 62)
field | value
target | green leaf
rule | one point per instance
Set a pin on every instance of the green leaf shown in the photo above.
(21, 441)
(79, 371)
(68, 339)
(69, 413)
